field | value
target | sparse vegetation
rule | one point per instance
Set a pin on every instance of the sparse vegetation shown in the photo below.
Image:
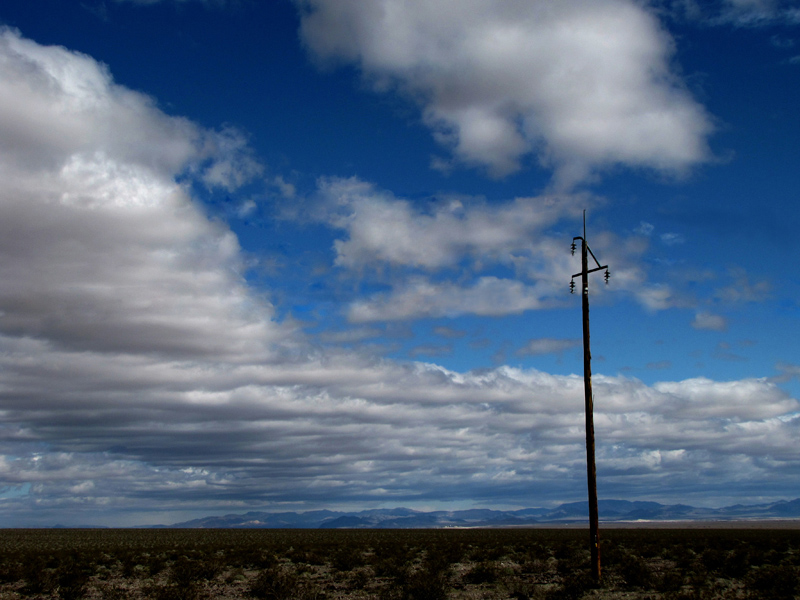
(491, 564)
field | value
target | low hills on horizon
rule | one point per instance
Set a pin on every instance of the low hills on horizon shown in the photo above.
(611, 511)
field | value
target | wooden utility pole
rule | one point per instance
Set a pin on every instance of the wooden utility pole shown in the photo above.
(591, 471)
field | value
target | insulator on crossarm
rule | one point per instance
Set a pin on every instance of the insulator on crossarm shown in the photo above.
(572, 286)
(607, 276)
(573, 247)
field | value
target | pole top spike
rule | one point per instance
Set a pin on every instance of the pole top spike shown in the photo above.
(584, 224)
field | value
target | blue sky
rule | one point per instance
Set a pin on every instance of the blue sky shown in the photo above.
(292, 254)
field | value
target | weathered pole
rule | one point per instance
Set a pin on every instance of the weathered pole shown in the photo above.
(591, 470)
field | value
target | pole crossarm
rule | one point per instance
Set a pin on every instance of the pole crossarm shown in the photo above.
(589, 250)
(585, 252)
(592, 270)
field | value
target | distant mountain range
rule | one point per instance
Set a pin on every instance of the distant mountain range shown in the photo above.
(574, 512)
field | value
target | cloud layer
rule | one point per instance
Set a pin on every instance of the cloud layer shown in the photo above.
(581, 85)
(455, 256)
(143, 378)
(102, 250)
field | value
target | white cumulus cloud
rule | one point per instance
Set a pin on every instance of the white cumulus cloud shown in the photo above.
(579, 84)
(441, 252)
(384, 229)
(102, 250)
